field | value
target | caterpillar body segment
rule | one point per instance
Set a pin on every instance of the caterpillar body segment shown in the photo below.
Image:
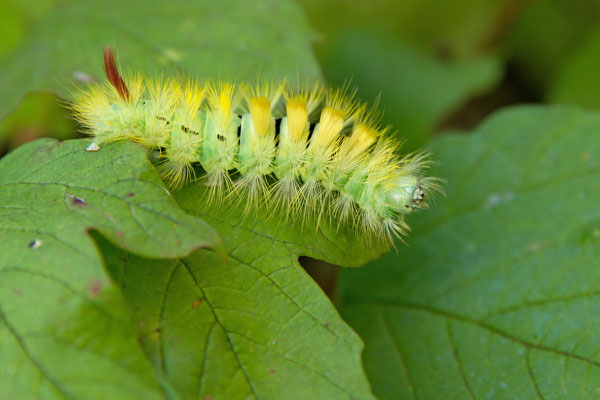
(308, 151)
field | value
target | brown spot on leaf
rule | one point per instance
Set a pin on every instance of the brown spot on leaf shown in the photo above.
(95, 287)
(130, 194)
(77, 201)
(271, 371)
(17, 292)
(120, 234)
(196, 303)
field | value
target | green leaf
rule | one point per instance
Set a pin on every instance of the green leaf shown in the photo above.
(254, 326)
(237, 39)
(416, 90)
(578, 80)
(496, 294)
(63, 325)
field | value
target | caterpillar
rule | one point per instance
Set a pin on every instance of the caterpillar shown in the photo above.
(307, 150)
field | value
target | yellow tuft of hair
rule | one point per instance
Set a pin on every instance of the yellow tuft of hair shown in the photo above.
(260, 111)
(329, 128)
(137, 88)
(343, 99)
(311, 96)
(361, 139)
(297, 118)
(382, 165)
(223, 100)
(340, 111)
(191, 97)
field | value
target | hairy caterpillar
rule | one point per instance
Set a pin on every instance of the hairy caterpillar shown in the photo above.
(307, 150)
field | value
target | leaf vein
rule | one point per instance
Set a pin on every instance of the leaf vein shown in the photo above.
(454, 350)
(396, 345)
(216, 317)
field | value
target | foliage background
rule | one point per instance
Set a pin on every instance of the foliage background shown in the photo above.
(494, 294)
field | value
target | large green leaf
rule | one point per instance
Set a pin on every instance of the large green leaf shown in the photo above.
(254, 326)
(64, 330)
(496, 295)
(239, 39)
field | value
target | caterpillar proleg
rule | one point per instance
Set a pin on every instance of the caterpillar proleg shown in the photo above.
(303, 149)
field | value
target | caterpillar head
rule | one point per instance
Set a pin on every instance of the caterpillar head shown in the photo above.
(410, 192)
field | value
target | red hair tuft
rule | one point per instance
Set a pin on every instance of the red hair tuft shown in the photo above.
(112, 73)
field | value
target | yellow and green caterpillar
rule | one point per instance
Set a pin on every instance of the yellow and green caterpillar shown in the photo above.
(302, 149)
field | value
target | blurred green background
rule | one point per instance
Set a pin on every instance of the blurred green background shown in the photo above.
(436, 66)
(446, 65)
